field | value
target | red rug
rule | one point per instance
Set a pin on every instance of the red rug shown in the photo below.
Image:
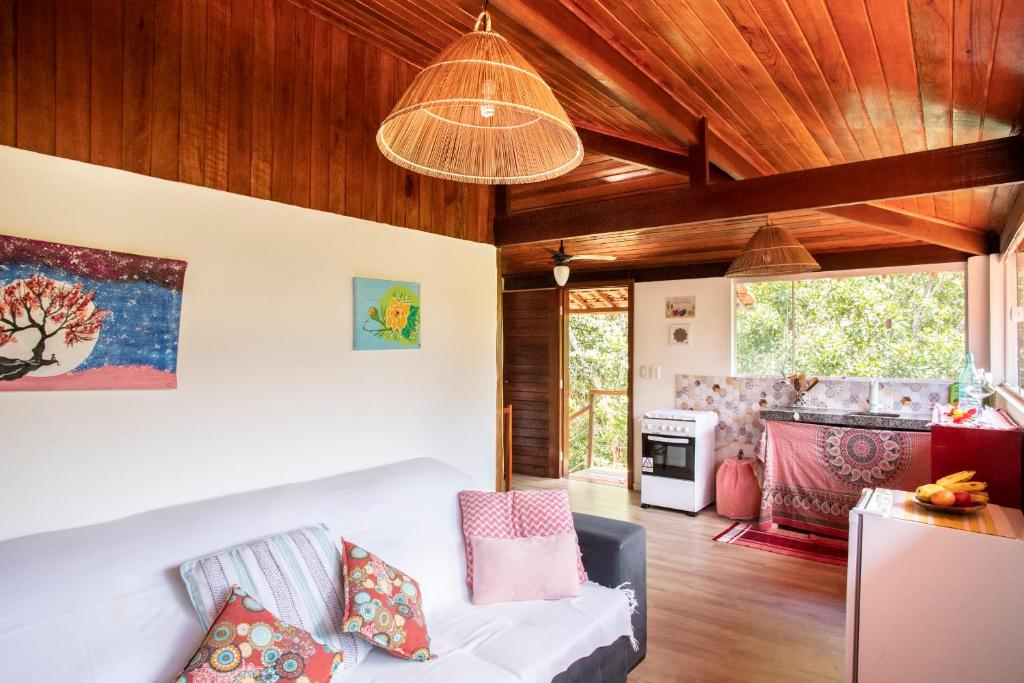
(785, 542)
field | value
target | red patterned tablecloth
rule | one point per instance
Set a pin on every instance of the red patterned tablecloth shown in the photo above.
(814, 474)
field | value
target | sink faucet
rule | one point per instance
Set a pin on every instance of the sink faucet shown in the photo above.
(874, 404)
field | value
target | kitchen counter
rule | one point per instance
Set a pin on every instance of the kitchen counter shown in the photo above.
(911, 422)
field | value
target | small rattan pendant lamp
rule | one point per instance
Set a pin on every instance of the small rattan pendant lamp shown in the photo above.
(772, 251)
(479, 113)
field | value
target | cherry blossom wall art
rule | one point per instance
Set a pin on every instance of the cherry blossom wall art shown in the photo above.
(80, 318)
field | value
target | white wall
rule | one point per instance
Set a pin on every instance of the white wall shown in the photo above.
(709, 351)
(297, 404)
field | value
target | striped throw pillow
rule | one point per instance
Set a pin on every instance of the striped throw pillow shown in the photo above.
(296, 575)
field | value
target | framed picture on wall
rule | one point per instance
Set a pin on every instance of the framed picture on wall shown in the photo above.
(680, 306)
(679, 335)
(387, 314)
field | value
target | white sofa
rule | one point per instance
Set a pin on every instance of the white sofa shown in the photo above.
(105, 603)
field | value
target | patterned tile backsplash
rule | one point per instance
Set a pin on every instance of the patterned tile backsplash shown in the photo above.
(738, 401)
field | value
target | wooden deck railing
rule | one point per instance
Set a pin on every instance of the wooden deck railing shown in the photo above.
(589, 411)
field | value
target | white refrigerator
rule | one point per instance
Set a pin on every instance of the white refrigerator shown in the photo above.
(929, 601)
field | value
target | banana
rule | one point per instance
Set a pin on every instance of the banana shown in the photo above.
(979, 498)
(924, 493)
(969, 486)
(965, 475)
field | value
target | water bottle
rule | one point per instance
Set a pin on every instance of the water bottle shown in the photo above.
(967, 379)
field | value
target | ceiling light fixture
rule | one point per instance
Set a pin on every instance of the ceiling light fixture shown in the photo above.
(479, 113)
(772, 251)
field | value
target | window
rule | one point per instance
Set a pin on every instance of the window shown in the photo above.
(899, 325)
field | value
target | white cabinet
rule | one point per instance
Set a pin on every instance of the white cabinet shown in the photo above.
(930, 603)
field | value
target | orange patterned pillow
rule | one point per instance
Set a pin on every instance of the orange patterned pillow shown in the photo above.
(384, 605)
(248, 643)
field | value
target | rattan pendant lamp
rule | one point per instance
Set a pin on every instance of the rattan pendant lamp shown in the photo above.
(479, 113)
(772, 251)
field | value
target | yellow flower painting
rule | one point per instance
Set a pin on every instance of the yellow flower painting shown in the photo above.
(387, 314)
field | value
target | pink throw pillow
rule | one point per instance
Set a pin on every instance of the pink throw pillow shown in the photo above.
(516, 514)
(536, 568)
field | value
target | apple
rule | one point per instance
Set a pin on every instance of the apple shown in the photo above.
(962, 499)
(943, 499)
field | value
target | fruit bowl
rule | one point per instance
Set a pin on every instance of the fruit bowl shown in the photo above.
(951, 508)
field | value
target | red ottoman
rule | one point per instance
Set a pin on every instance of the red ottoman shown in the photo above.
(737, 490)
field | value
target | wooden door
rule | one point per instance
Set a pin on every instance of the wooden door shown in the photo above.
(532, 379)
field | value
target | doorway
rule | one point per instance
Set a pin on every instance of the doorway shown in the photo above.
(597, 385)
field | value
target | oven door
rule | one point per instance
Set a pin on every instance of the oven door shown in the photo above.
(667, 456)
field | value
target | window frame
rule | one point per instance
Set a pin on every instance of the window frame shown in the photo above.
(956, 266)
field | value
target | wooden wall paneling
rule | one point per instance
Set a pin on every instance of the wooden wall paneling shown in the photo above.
(264, 49)
(339, 117)
(72, 78)
(257, 97)
(8, 69)
(357, 58)
(36, 126)
(241, 70)
(192, 122)
(303, 139)
(385, 100)
(215, 130)
(370, 121)
(283, 124)
(320, 150)
(137, 102)
(164, 139)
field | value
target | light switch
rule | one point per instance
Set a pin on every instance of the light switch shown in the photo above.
(645, 372)
(656, 372)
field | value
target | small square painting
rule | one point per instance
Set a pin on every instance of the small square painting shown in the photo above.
(679, 334)
(680, 306)
(387, 314)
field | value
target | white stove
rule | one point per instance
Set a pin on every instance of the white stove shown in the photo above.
(677, 459)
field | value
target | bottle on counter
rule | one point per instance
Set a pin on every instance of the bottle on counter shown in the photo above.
(968, 376)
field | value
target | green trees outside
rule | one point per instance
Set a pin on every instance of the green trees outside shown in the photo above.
(598, 359)
(905, 325)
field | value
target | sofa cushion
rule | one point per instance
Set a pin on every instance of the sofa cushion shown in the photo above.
(520, 642)
(249, 643)
(384, 605)
(297, 575)
(535, 568)
(515, 514)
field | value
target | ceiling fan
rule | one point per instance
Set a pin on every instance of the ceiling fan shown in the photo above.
(562, 260)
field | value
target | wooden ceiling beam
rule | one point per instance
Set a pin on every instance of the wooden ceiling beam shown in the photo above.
(924, 228)
(1014, 225)
(978, 164)
(830, 262)
(639, 153)
(915, 226)
(699, 165)
(562, 30)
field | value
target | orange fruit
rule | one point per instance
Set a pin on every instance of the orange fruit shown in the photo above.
(943, 499)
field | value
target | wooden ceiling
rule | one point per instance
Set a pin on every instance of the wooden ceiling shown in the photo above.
(599, 300)
(785, 85)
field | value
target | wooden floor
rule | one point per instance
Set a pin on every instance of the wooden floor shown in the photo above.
(721, 612)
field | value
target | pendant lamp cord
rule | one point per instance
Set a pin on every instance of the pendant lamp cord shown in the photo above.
(486, 3)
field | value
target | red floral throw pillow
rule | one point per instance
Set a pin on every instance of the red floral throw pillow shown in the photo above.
(384, 605)
(248, 643)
